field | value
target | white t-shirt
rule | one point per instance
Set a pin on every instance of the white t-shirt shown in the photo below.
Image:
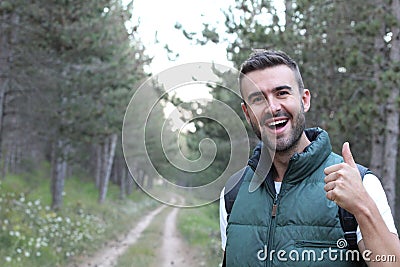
(372, 185)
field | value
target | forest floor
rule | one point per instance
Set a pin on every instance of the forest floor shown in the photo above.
(172, 249)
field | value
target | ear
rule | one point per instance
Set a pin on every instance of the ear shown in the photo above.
(306, 99)
(246, 112)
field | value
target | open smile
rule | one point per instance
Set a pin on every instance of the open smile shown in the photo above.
(275, 125)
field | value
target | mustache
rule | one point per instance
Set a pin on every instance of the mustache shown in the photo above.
(269, 116)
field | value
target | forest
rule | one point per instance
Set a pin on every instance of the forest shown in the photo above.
(79, 105)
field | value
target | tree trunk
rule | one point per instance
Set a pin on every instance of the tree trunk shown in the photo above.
(149, 182)
(122, 182)
(59, 167)
(130, 182)
(378, 120)
(109, 152)
(288, 14)
(102, 182)
(115, 171)
(140, 179)
(99, 165)
(13, 153)
(392, 116)
(5, 69)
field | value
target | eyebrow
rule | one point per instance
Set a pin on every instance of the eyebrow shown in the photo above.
(250, 96)
(282, 87)
(274, 90)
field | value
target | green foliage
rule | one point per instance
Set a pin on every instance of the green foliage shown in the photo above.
(332, 42)
(200, 227)
(32, 234)
(74, 65)
(33, 230)
(77, 64)
(211, 120)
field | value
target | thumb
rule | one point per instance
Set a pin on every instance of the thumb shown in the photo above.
(347, 156)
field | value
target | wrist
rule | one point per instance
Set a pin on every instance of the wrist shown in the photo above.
(364, 210)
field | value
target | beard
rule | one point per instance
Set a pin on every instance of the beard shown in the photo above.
(282, 144)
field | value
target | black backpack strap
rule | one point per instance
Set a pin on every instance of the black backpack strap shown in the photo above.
(348, 221)
(232, 187)
(349, 226)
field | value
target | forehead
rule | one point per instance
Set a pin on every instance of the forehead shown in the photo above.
(268, 79)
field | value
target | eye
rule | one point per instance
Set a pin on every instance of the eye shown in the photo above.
(282, 93)
(257, 99)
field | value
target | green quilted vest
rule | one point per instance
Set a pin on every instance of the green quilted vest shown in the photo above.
(297, 227)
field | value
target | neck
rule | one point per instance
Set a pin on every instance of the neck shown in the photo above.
(282, 158)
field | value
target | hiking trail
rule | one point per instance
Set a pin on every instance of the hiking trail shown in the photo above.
(171, 248)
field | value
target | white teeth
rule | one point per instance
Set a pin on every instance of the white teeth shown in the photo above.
(276, 122)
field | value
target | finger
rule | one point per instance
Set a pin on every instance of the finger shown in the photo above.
(330, 195)
(329, 186)
(335, 176)
(347, 156)
(333, 168)
(329, 178)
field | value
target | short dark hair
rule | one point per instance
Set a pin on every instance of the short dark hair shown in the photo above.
(261, 59)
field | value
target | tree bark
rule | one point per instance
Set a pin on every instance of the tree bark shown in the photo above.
(140, 179)
(149, 182)
(288, 14)
(99, 165)
(122, 182)
(392, 116)
(5, 69)
(59, 168)
(377, 132)
(109, 152)
(129, 182)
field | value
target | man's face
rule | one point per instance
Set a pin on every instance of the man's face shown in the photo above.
(274, 106)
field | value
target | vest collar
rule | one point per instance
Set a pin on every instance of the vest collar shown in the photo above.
(303, 164)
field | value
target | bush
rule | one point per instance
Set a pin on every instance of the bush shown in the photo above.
(29, 229)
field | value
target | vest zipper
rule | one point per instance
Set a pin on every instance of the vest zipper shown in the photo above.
(272, 226)
(274, 206)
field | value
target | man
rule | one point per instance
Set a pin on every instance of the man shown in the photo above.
(291, 217)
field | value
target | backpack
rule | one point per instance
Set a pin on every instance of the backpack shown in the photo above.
(347, 220)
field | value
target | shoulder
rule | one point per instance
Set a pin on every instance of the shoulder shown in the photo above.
(235, 180)
(232, 188)
(374, 188)
(372, 183)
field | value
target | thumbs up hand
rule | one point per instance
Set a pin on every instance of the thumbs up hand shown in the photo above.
(344, 184)
(347, 156)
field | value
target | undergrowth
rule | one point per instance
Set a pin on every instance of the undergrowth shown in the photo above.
(31, 234)
(200, 228)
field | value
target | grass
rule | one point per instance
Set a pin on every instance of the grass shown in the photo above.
(145, 251)
(32, 234)
(200, 228)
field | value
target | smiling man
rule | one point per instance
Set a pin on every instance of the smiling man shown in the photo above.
(291, 218)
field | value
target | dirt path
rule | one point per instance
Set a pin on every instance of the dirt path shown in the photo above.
(108, 256)
(173, 251)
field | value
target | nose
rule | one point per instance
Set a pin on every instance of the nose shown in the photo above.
(274, 105)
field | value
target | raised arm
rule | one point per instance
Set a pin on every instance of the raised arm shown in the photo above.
(344, 187)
